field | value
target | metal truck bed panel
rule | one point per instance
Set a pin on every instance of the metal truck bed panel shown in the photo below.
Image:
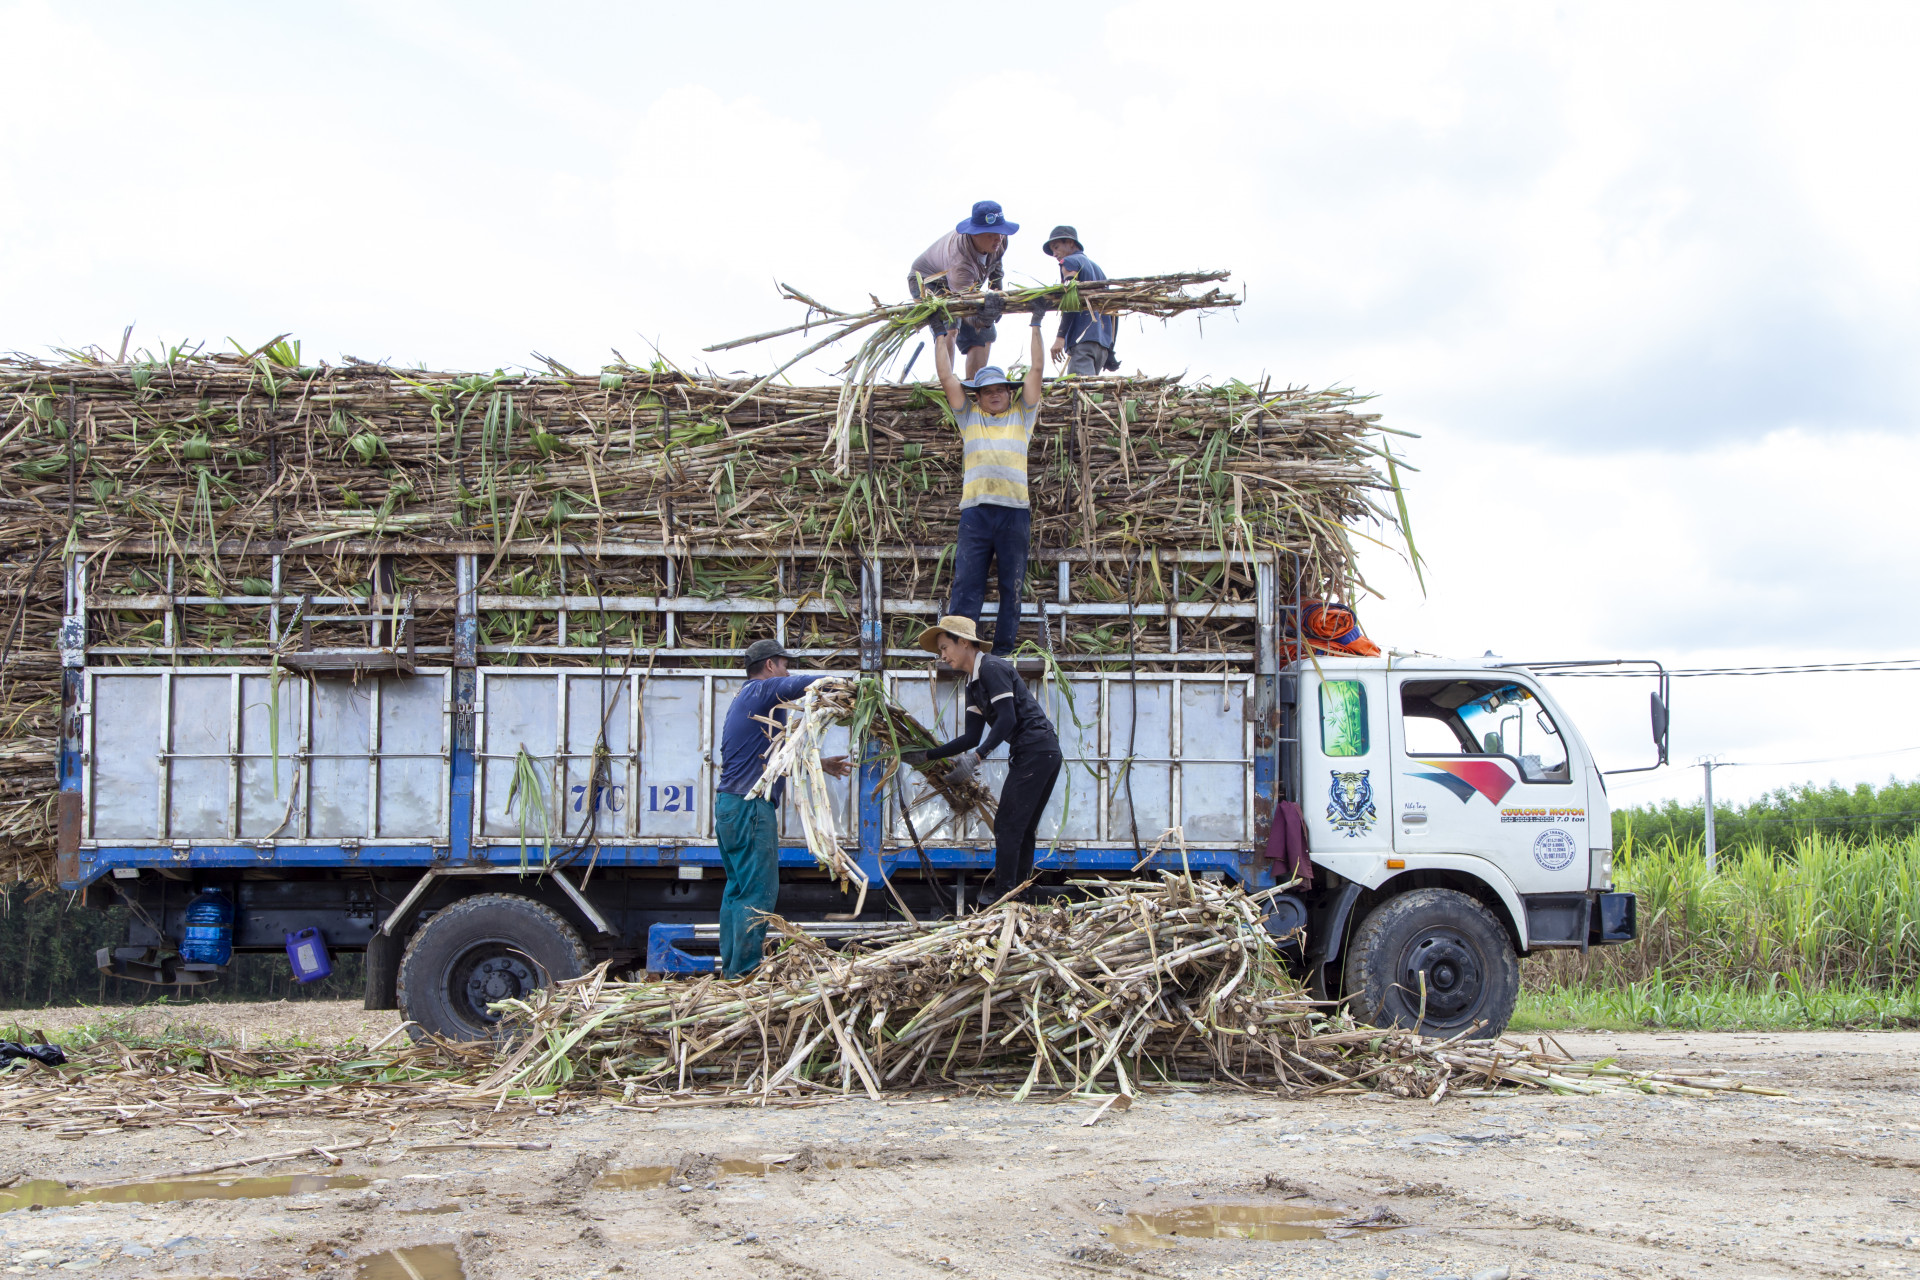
(192, 755)
(235, 766)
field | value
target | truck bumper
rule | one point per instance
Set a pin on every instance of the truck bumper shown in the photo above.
(1616, 918)
(1580, 919)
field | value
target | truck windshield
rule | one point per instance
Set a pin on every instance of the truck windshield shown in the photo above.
(1483, 717)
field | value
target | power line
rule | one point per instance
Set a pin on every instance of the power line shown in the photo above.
(1783, 764)
(1769, 764)
(1871, 667)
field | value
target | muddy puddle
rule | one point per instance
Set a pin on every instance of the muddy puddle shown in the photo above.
(652, 1176)
(55, 1195)
(1222, 1222)
(421, 1262)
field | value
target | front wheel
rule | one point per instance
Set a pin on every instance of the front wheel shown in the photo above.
(1436, 959)
(482, 949)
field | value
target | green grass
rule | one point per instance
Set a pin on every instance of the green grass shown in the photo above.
(1825, 911)
(128, 1028)
(1658, 1002)
(1823, 933)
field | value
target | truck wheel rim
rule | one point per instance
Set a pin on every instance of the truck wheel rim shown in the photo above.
(1454, 976)
(487, 972)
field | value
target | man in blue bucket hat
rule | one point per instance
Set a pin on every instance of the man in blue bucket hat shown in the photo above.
(963, 260)
(996, 426)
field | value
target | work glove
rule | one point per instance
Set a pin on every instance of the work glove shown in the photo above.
(1040, 306)
(960, 773)
(913, 757)
(991, 310)
(938, 324)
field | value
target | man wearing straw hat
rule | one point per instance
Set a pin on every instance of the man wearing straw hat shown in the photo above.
(1085, 340)
(748, 831)
(999, 705)
(995, 428)
(969, 256)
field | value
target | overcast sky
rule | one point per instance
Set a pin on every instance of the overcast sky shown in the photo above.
(1643, 277)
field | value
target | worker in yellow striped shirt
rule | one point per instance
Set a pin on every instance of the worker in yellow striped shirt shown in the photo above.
(995, 428)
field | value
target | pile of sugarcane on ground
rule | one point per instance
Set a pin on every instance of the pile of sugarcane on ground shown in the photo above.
(1132, 986)
(1141, 987)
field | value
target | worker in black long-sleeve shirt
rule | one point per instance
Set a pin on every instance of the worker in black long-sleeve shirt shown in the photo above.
(1000, 706)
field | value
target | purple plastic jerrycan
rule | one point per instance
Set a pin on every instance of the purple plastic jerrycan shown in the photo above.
(307, 951)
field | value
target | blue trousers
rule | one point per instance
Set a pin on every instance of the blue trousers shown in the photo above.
(748, 832)
(988, 534)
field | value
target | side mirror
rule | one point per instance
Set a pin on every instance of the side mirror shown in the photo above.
(1659, 726)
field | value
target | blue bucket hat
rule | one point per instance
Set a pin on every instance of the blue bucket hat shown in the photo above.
(987, 220)
(991, 376)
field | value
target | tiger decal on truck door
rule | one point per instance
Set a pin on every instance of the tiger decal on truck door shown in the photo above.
(1350, 803)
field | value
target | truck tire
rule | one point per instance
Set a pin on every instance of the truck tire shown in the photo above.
(1471, 971)
(491, 946)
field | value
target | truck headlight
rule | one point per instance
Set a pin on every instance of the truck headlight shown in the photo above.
(1600, 869)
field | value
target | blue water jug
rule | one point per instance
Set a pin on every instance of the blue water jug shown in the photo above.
(209, 937)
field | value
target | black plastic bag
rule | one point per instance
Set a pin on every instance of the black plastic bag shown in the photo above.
(47, 1055)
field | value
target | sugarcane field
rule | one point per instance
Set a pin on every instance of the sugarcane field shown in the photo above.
(1340, 712)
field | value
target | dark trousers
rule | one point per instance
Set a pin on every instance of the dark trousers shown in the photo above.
(1016, 823)
(971, 333)
(748, 833)
(988, 534)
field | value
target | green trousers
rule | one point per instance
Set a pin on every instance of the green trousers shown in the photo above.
(749, 835)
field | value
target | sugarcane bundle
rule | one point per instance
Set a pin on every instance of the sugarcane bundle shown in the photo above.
(795, 755)
(1136, 984)
(248, 452)
(1160, 296)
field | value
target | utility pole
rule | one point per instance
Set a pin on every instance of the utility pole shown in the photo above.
(1708, 766)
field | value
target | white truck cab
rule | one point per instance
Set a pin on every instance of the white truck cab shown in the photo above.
(1456, 820)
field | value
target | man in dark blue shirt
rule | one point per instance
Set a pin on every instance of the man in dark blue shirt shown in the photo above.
(749, 830)
(1085, 340)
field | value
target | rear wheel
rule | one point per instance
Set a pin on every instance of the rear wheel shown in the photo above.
(490, 947)
(1436, 959)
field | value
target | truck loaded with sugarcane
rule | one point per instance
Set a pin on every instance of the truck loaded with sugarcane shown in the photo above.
(434, 667)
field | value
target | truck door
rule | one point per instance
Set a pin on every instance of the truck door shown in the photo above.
(1481, 767)
(1344, 775)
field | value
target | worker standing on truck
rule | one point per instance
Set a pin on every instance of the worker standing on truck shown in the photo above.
(1000, 705)
(749, 830)
(1085, 340)
(995, 429)
(971, 255)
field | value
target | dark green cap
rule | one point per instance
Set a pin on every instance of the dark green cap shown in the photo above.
(761, 650)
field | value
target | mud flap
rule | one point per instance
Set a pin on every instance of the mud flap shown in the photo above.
(140, 964)
(382, 966)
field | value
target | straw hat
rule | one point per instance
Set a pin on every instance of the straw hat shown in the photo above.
(958, 627)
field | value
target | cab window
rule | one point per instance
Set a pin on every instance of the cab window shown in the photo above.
(1343, 718)
(1483, 717)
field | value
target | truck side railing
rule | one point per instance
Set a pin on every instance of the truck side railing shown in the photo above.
(1245, 682)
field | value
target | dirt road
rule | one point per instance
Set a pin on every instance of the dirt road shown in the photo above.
(1823, 1183)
